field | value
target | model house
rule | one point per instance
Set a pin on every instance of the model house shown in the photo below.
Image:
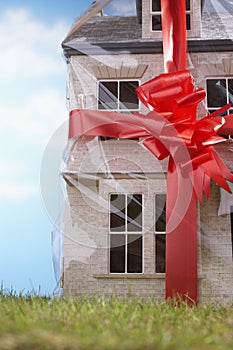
(115, 224)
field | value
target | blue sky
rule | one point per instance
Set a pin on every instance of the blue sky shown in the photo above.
(33, 134)
(32, 108)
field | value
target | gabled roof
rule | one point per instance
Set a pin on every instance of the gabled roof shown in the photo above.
(109, 29)
(119, 34)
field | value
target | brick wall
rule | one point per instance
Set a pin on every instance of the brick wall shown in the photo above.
(86, 234)
(82, 81)
(86, 242)
(216, 251)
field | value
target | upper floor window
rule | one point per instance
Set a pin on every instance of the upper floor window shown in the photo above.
(160, 233)
(118, 95)
(156, 19)
(126, 239)
(219, 93)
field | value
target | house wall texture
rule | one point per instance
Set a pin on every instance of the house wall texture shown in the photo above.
(86, 239)
(83, 76)
(94, 169)
(216, 251)
(87, 259)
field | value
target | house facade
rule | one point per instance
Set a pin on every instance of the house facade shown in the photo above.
(115, 229)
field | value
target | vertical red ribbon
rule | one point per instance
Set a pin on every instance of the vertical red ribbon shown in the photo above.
(174, 35)
(181, 239)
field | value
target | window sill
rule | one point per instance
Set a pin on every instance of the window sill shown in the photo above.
(130, 276)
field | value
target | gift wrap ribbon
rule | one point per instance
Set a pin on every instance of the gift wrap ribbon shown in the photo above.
(171, 130)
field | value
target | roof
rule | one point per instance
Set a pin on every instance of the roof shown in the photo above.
(109, 29)
(124, 33)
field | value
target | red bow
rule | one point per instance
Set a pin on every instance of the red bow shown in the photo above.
(187, 140)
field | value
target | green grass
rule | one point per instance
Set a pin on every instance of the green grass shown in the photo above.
(35, 322)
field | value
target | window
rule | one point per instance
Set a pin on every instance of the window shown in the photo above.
(160, 233)
(118, 95)
(126, 242)
(156, 20)
(219, 93)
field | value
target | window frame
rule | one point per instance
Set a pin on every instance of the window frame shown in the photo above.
(157, 13)
(157, 233)
(219, 77)
(118, 109)
(126, 234)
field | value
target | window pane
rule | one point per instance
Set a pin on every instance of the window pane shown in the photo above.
(188, 22)
(117, 213)
(160, 213)
(187, 5)
(134, 254)
(216, 92)
(156, 5)
(230, 91)
(128, 97)
(160, 256)
(108, 95)
(156, 23)
(134, 213)
(117, 253)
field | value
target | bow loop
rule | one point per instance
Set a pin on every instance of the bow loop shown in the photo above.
(160, 92)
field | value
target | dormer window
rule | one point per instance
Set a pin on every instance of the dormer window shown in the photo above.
(156, 21)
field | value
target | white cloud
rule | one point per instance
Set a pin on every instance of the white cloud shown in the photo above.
(29, 49)
(31, 65)
(121, 7)
(36, 118)
(32, 103)
(17, 191)
(8, 167)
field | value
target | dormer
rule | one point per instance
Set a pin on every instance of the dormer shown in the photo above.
(151, 18)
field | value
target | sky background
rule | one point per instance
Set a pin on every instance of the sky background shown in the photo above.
(32, 111)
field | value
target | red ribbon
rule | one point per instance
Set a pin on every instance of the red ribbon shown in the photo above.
(171, 130)
(174, 35)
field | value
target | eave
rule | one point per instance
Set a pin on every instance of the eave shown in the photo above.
(77, 48)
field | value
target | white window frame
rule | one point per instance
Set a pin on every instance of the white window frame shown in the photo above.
(157, 232)
(126, 233)
(219, 77)
(156, 13)
(118, 109)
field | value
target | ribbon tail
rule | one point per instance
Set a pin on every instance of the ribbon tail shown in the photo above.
(206, 185)
(181, 241)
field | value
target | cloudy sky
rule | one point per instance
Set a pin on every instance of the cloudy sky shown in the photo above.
(32, 109)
